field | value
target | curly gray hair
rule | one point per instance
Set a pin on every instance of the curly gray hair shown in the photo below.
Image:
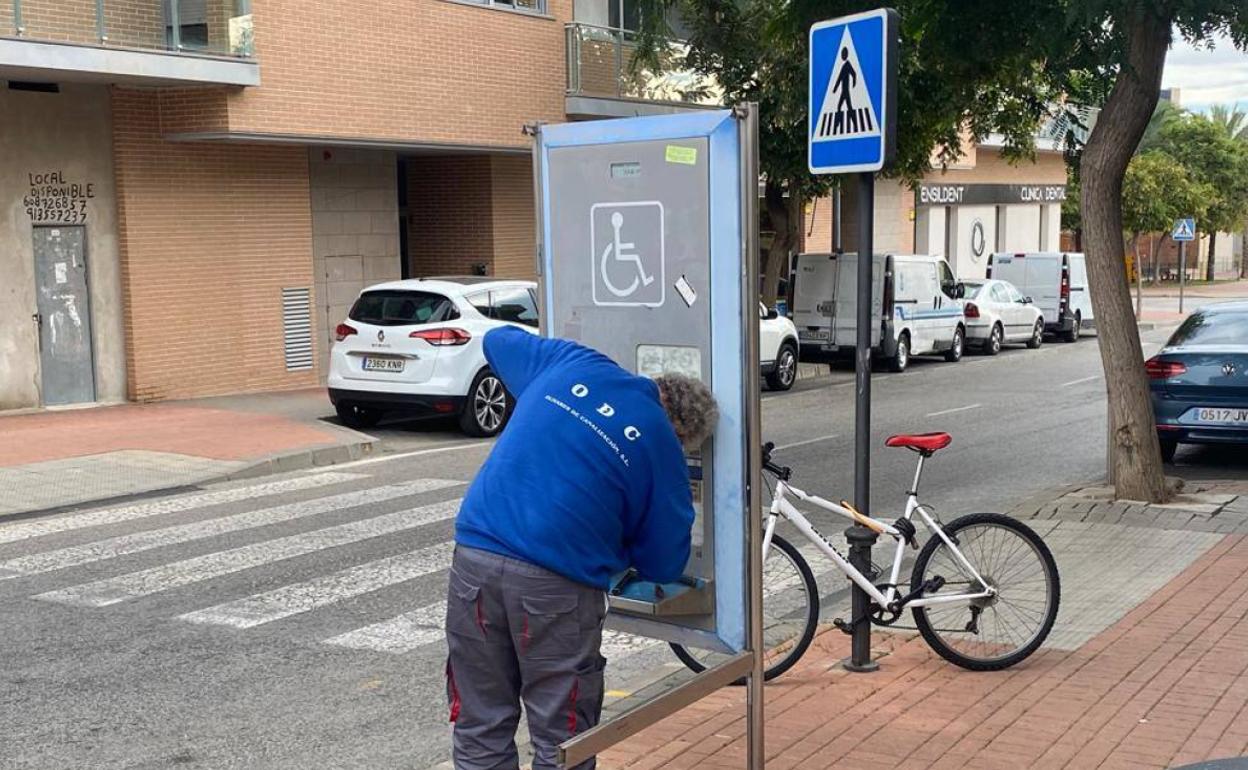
(690, 406)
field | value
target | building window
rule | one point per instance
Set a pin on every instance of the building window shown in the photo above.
(524, 6)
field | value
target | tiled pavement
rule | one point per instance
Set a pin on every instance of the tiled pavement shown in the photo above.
(1202, 507)
(56, 459)
(1165, 685)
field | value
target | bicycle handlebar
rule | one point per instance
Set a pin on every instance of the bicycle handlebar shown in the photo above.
(781, 472)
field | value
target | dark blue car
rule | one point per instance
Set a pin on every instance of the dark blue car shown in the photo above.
(1199, 380)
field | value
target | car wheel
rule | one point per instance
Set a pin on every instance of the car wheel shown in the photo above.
(954, 353)
(785, 373)
(1037, 335)
(355, 416)
(900, 359)
(993, 345)
(487, 406)
(1073, 334)
(1168, 448)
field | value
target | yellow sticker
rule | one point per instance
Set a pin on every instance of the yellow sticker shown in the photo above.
(685, 155)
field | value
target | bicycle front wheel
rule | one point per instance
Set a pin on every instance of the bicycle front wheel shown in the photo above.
(790, 614)
(992, 633)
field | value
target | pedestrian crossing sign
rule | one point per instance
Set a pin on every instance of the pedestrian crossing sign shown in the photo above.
(852, 97)
(1184, 230)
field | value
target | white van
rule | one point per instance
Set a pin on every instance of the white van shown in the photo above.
(1057, 283)
(915, 310)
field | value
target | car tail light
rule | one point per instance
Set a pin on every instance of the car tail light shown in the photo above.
(343, 331)
(1065, 287)
(972, 310)
(1163, 369)
(442, 337)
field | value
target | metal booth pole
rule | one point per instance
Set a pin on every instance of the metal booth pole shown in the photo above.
(1182, 271)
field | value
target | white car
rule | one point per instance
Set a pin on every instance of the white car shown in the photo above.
(777, 347)
(997, 313)
(415, 346)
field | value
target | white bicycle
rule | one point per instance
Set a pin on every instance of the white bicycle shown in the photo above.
(983, 591)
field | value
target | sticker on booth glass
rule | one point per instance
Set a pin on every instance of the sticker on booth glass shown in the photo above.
(655, 360)
(685, 155)
(686, 291)
(62, 272)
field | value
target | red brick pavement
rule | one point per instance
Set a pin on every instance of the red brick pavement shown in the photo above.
(219, 434)
(1165, 686)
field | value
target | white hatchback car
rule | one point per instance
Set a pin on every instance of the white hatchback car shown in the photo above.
(997, 313)
(415, 346)
(777, 349)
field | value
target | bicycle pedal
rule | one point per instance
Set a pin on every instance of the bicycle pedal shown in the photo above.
(843, 627)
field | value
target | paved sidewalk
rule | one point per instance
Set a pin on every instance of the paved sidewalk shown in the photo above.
(63, 458)
(1165, 685)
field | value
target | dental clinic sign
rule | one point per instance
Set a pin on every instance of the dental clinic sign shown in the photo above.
(973, 194)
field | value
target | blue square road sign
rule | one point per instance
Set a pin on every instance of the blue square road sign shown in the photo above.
(852, 99)
(1184, 230)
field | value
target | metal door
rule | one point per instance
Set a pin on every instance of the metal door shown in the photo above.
(64, 315)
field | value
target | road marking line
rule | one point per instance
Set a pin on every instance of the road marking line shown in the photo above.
(956, 409)
(402, 633)
(1077, 382)
(121, 545)
(415, 453)
(806, 442)
(308, 595)
(186, 502)
(102, 593)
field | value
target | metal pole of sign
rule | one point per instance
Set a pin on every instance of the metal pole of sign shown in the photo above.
(860, 538)
(1182, 271)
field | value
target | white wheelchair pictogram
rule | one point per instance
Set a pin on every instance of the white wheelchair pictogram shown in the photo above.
(627, 254)
(622, 251)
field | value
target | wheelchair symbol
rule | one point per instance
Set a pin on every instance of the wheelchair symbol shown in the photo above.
(625, 270)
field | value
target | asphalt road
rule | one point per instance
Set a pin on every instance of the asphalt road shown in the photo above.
(293, 622)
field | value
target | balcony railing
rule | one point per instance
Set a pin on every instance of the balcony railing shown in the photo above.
(213, 27)
(600, 63)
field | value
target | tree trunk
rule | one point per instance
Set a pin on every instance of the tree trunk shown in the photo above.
(1139, 275)
(1135, 454)
(1243, 254)
(784, 213)
(1210, 273)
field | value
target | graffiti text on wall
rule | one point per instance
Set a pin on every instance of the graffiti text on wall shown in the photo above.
(53, 200)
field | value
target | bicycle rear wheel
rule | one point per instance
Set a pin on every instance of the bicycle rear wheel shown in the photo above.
(790, 614)
(996, 632)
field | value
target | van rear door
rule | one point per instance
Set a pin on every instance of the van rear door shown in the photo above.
(845, 309)
(1042, 281)
(814, 292)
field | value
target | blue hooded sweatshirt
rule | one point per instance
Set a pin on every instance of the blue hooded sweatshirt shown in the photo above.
(588, 478)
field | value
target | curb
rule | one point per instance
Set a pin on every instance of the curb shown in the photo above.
(361, 447)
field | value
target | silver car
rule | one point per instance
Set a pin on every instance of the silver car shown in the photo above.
(997, 313)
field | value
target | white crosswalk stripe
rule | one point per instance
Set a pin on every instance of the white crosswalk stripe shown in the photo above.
(308, 595)
(121, 545)
(27, 529)
(102, 593)
(403, 633)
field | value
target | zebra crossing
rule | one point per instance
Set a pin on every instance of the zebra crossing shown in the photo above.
(97, 571)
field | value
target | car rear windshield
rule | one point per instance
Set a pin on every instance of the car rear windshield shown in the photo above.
(972, 289)
(1225, 328)
(395, 307)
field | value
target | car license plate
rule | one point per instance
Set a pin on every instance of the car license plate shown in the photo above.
(383, 364)
(807, 334)
(1221, 415)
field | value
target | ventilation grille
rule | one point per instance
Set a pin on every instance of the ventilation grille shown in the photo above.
(297, 328)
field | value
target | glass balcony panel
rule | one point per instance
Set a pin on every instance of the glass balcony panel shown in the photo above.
(217, 27)
(601, 64)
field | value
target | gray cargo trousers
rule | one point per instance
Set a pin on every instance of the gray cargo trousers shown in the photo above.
(517, 632)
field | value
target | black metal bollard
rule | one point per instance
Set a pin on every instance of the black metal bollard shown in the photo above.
(860, 541)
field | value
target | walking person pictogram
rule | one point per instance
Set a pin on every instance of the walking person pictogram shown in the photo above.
(846, 80)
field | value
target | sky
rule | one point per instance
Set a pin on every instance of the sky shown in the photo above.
(1206, 77)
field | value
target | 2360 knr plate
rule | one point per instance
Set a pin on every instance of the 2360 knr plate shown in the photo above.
(373, 364)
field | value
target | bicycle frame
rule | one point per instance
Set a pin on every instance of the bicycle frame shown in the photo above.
(780, 506)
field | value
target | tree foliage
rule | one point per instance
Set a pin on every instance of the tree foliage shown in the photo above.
(1216, 161)
(1157, 190)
